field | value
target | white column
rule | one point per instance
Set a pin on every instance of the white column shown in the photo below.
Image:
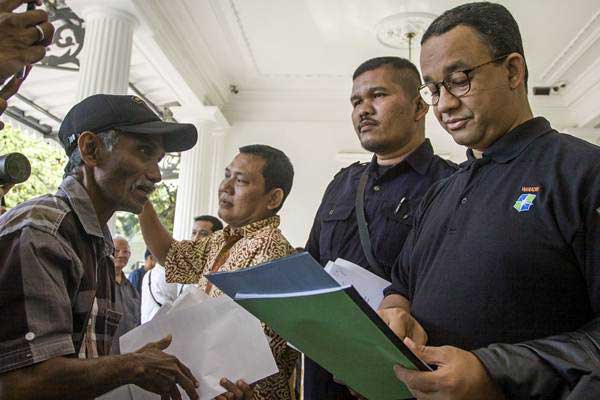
(106, 54)
(218, 168)
(196, 192)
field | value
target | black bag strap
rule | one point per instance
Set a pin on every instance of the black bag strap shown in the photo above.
(150, 287)
(363, 228)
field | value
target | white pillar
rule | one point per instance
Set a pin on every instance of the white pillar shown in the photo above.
(218, 170)
(106, 54)
(198, 168)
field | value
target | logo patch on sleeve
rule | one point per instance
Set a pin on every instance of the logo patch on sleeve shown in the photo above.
(524, 202)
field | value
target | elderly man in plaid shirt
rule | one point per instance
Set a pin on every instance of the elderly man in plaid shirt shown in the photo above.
(57, 294)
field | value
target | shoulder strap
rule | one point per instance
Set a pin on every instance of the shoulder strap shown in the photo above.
(363, 229)
(150, 287)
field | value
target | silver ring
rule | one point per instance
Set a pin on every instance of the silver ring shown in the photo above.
(41, 31)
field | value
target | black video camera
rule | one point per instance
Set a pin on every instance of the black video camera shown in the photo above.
(14, 168)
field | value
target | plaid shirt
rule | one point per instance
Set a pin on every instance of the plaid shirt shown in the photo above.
(56, 280)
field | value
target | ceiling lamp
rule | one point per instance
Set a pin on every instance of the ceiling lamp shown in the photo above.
(401, 31)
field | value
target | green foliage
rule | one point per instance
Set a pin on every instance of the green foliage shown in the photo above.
(47, 164)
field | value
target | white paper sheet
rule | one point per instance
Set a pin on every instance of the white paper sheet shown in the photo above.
(120, 393)
(214, 337)
(366, 283)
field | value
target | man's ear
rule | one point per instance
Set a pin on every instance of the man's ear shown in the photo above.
(516, 70)
(275, 198)
(421, 108)
(90, 147)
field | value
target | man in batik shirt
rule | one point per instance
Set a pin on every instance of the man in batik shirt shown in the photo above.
(255, 185)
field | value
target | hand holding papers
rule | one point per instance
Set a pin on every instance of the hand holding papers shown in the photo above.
(214, 337)
(331, 324)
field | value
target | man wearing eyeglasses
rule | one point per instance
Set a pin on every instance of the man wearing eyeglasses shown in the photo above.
(502, 268)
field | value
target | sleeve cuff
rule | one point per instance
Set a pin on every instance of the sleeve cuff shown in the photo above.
(520, 373)
(394, 290)
(36, 351)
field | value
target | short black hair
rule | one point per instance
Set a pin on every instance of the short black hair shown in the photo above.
(397, 63)
(278, 171)
(147, 254)
(217, 225)
(495, 25)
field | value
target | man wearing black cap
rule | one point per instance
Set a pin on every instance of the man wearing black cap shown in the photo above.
(56, 276)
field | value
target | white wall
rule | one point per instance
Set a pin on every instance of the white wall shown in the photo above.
(313, 148)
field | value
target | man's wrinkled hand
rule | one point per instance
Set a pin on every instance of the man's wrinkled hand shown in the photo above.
(459, 375)
(403, 324)
(161, 373)
(238, 391)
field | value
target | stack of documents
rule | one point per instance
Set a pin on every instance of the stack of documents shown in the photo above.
(214, 337)
(331, 323)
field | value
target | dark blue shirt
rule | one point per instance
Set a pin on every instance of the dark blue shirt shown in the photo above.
(135, 277)
(508, 248)
(391, 198)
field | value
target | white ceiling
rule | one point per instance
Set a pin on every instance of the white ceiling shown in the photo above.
(328, 38)
(282, 54)
(293, 59)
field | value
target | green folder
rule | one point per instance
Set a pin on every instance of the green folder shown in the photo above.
(336, 328)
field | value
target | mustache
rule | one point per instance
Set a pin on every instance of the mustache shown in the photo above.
(367, 121)
(144, 185)
(449, 117)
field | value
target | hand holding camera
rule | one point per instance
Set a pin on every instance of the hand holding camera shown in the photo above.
(23, 40)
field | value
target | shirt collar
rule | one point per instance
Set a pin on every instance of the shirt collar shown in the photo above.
(418, 160)
(82, 206)
(513, 143)
(247, 230)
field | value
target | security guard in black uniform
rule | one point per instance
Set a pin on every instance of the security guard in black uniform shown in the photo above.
(378, 198)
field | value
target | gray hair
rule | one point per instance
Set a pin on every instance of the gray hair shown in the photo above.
(120, 237)
(108, 138)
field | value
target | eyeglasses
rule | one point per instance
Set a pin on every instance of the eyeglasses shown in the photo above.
(457, 83)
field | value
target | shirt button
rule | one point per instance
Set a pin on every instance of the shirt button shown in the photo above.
(377, 188)
(29, 336)
(464, 200)
(331, 211)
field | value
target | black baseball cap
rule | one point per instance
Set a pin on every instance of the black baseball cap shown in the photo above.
(129, 114)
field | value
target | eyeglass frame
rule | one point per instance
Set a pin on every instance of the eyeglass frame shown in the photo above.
(444, 82)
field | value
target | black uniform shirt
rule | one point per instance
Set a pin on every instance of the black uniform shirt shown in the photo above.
(508, 248)
(390, 201)
(391, 197)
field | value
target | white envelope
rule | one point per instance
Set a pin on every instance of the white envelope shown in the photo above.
(214, 337)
